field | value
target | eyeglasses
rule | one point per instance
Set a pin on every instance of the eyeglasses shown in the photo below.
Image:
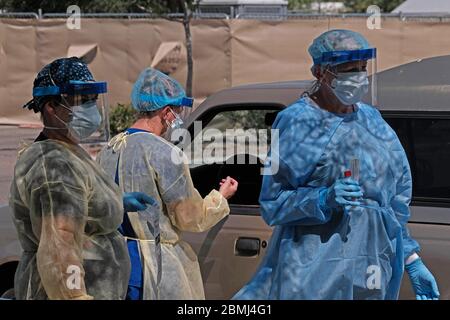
(75, 100)
(360, 66)
(354, 69)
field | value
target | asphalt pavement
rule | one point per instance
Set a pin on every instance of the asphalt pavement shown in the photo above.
(11, 138)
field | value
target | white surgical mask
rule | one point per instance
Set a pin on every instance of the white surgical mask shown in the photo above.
(177, 123)
(350, 87)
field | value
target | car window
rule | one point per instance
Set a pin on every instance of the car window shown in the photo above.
(233, 143)
(236, 132)
(427, 145)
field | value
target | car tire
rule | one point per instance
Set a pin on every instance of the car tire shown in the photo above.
(8, 295)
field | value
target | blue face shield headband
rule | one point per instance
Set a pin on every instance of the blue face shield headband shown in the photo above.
(343, 56)
(165, 101)
(72, 88)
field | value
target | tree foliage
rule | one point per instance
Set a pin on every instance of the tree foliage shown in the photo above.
(94, 6)
(357, 6)
(362, 5)
(300, 5)
(164, 6)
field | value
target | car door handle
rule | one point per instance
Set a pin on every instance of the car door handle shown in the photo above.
(247, 247)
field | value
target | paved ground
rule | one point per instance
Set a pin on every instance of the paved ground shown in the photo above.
(11, 138)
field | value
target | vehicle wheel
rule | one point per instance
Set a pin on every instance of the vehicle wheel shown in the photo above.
(8, 295)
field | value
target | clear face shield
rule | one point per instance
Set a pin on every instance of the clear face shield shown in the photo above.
(87, 119)
(355, 75)
(180, 110)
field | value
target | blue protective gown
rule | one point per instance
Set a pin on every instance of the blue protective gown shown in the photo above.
(317, 253)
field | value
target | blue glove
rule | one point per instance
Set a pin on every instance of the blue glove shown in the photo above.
(137, 201)
(422, 281)
(342, 188)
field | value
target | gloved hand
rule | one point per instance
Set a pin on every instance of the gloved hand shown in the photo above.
(137, 201)
(343, 188)
(422, 281)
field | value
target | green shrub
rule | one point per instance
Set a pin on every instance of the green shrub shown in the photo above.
(121, 117)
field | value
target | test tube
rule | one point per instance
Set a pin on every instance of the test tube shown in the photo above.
(354, 165)
(349, 174)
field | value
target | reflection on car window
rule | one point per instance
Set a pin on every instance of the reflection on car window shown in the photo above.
(230, 133)
(241, 119)
(234, 143)
(427, 144)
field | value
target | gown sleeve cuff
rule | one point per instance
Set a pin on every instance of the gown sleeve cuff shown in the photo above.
(411, 258)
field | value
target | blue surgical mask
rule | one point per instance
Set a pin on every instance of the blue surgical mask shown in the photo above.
(85, 120)
(350, 87)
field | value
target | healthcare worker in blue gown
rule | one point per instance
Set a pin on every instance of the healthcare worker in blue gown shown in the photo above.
(336, 237)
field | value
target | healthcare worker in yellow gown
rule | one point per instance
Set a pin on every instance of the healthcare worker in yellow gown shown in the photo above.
(66, 209)
(139, 159)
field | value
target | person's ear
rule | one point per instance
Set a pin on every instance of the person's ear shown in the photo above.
(49, 108)
(47, 112)
(318, 72)
(166, 112)
(313, 71)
